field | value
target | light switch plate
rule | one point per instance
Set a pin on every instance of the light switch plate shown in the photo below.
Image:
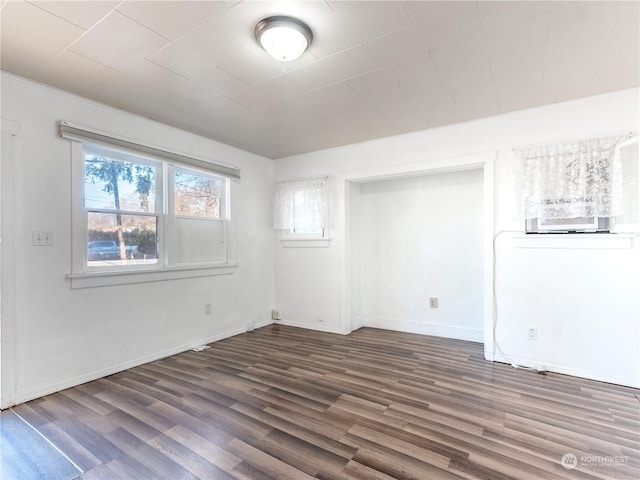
(42, 239)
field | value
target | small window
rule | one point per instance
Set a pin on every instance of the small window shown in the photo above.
(301, 208)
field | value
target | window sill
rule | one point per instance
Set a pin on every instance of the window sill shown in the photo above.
(304, 242)
(577, 240)
(127, 277)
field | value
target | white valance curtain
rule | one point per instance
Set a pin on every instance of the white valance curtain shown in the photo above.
(300, 206)
(581, 179)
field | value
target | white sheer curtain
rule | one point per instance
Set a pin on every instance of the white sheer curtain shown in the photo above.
(300, 206)
(581, 179)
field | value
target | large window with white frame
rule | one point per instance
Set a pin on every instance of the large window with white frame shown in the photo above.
(137, 212)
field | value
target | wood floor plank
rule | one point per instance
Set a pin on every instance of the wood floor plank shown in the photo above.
(73, 449)
(286, 403)
(310, 434)
(152, 460)
(211, 452)
(188, 459)
(264, 462)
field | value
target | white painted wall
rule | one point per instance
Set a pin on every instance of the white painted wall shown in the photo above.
(55, 337)
(421, 237)
(598, 340)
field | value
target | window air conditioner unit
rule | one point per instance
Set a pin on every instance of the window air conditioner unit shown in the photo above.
(568, 225)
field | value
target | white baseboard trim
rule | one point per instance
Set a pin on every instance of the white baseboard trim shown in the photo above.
(617, 378)
(311, 326)
(64, 383)
(435, 329)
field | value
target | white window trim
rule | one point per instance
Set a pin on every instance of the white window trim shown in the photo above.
(127, 277)
(83, 276)
(629, 227)
(305, 242)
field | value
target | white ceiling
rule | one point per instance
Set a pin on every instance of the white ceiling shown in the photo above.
(375, 68)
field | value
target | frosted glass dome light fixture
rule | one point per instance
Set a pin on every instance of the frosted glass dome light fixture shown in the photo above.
(284, 38)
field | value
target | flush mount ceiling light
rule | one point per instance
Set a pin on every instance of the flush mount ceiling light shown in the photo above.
(284, 38)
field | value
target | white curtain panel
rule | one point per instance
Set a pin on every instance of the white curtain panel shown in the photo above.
(300, 206)
(581, 179)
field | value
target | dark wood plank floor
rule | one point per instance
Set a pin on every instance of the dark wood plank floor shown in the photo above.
(287, 403)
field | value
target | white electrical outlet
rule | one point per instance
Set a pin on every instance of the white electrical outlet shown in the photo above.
(208, 309)
(533, 334)
(433, 302)
(275, 315)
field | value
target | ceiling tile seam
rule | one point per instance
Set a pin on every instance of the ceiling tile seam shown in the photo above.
(186, 79)
(146, 26)
(328, 4)
(98, 23)
(248, 84)
(68, 47)
(526, 19)
(231, 39)
(453, 98)
(344, 80)
(60, 52)
(203, 74)
(433, 60)
(409, 16)
(301, 112)
(115, 10)
(479, 17)
(288, 107)
(493, 76)
(91, 60)
(172, 41)
(548, 26)
(613, 28)
(230, 99)
(373, 57)
(320, 59)
(62, 18)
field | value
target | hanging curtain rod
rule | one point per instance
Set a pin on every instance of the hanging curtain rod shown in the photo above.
(626, 136)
